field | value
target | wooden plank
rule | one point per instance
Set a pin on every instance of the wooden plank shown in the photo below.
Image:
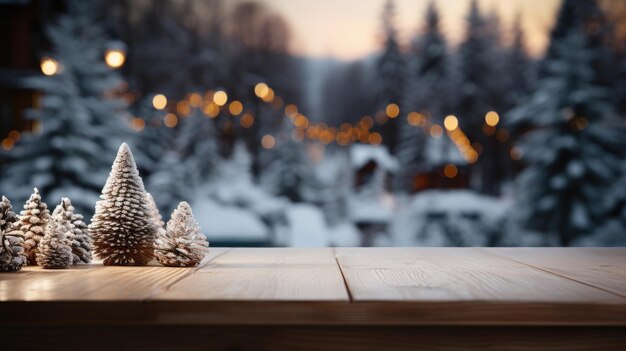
(340, 338)
(270, 274)
(456, 274)
(90, 282)
(604, 268)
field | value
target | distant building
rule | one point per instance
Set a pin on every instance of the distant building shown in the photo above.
(442, 153)
(372, 204)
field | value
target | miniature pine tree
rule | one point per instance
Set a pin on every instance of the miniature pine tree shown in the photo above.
(12, 256)
(121, 229)
(155, 215)
(80, 241)
(182, 245)
(55, 250)
(32, 223)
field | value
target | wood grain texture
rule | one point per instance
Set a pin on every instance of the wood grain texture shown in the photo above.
(604, 268)
(456, 274)
(270, 274)
(90, 282)
(191, 338)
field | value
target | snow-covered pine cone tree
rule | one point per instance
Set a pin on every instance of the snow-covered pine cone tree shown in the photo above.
(80, 240)
(182, 245)
(157, 219)
(32, 222)
(121, 230)
(12, 257)
(55, 249)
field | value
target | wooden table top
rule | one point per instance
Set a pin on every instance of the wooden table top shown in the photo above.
(340, 286)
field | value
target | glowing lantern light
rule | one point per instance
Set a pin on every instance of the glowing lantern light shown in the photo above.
(261, 89)
(492, 118)
(138, 124)
(247, 120)
(159, 101)
(115, 58)
(375, 138)
(450, 171)
(171, 120)
(220, 98)
(392, 110)
(268, 141)
(235, 108)
(451, 123)
(49, 66)
(7, 144)
(291, 110)
(195, 100)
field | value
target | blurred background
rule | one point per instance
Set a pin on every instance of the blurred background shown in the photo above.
(328, 123)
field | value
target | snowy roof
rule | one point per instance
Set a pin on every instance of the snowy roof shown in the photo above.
(361, 154)
(442, 151)
(219, 222)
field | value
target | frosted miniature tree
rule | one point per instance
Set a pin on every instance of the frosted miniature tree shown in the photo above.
(80, 240)
(12, 256)
(155, 215)
(55, 249)
(121, 229)
(32, 223)
(182, 245)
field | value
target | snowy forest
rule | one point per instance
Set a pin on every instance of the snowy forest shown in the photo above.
(425, 142)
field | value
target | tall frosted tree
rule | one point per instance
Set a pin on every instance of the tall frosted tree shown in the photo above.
(391, 72)
(575, 149)
(80, 118)
(122, 229)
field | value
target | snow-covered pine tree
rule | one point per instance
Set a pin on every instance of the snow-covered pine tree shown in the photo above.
(55, 249)
(182, 245)
(192, 161)
(12, 256)
(286, 168)
(80, 117)
(429, 91)
(391, 73)
(32, 223)
(519, 68)
(155, 215)
(121, 230)
(575, 151)
(80, 240)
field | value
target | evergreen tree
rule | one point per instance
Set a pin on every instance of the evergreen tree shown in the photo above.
(575, 150)
(80, 241)
(157, 219)
(429, 91)
(182, 245)
(12, 255)
(198, 147)
(519, 68)
(32, 223)
(153, 142)
(80, 118)
(287, 171)
(55, 249)
(169, 183)
(121, 229)
(391, 74)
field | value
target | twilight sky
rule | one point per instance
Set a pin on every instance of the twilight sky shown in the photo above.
(349, 29)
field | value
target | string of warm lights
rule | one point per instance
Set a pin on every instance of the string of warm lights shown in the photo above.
(214, 102)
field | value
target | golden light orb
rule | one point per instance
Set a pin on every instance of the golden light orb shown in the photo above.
(220, 98)
(450, 171)
(159, 101)
(261, 89)
(268, 141)
(170, 120)
(235, 108)
(451, 123)
(392, 110)
(49, 66)
(492, 118)
(115, 58)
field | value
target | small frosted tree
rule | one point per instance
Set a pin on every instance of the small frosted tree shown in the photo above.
(55, 249)
(32, 223)
(155, 215)
(121, 229)
(12, 256)
(182, 245)
(80, 240)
